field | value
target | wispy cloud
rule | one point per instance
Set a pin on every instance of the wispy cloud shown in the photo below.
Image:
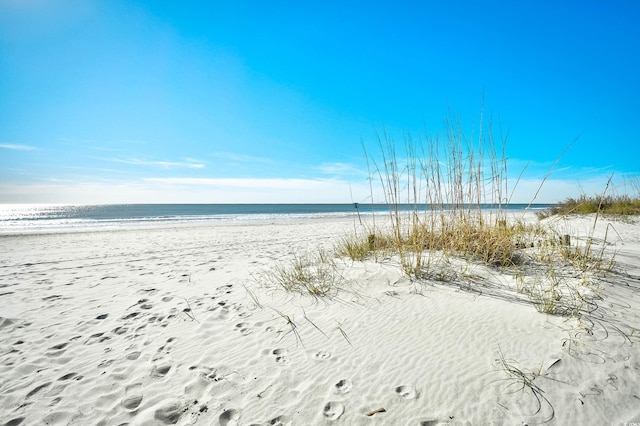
(248, 183)
(188, 163)
(253, 190)
(183, 190)
(242, 158)
(193, 160)
(340, 169)
(17, 147)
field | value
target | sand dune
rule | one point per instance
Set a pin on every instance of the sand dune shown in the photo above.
(177, 326)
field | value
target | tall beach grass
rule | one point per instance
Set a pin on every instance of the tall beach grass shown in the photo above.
(447, 183)
(447, 197)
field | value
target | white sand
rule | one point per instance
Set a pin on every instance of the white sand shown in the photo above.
(96, 329)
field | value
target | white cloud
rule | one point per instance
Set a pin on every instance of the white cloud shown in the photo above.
(186, 190)
(242, 158)
(17, 147)
(268, 190)
(194, 161)
(555, 190)
(276, 184)
(164, 164)
(257, 190)
(340, 169)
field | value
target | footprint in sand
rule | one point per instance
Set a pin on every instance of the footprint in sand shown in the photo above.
(243, 328)
(156, 318)
(321, 355)
(133, 396)
(132, 402)
(15, 422)
(225, 289)
(96, 338)
(120, 330)
(131, 315)
(272, 330)
(37, 389)
(57, 350)
(169, 414)
(279, 421)
(70, 376)
(105, 363)
(229, 417)
(166, 348)
(333, 410)
(343, 386)
(159, 371)
(281, 356)
(429, 422)
(132, 356)
(223, 310)
(407, 392)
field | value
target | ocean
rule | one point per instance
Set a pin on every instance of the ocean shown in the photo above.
(41, 218)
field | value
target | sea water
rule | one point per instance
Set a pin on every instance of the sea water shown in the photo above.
(36, 218)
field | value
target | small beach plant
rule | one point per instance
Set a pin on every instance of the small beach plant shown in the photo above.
(523, 381)
(621, 205)
(312, 274)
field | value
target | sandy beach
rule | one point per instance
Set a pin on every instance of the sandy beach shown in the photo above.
(179, 326)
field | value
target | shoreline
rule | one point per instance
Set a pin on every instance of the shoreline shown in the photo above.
(186, 225)
(177, 326)
(27, 219)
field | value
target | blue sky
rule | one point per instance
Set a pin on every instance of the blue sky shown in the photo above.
(246, 101)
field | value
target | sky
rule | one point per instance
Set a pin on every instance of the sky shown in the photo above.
(114, 101)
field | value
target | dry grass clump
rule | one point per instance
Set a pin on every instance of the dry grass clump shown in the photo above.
(618, 205)
(449, 198)
(437, 192)
(492, 243)
(497, 245)
(359, 247)
(312, 274)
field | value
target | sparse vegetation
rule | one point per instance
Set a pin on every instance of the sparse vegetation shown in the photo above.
(437, 194)
(359, 247)
(523, 381)
(449, 199)
(618, 205)
(313, 274)
(447, 224)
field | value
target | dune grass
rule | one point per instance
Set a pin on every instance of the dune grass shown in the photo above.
(313, 274)
(601, 204)
(448, 198)
(437, 192)
(618, 205)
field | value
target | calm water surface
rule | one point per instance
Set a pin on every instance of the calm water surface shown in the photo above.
(34, 218)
